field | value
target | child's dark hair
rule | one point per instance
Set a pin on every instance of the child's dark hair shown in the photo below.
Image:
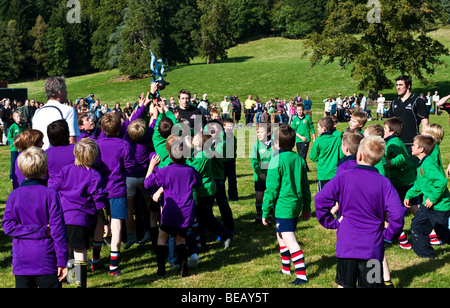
(327, 123)
(165, 127)
(426, 142)
(58, 133)
(395, 125)
(286, 137)
(228, 120)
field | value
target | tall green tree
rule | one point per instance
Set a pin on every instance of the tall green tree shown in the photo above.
(392, 39)
(39, 50)
(10, 51)
(109, 18)
(213, 36)
(135, 39)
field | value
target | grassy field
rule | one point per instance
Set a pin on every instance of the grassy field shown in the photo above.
(266, 68)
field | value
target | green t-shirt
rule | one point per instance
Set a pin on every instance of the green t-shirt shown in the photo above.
(303, 126)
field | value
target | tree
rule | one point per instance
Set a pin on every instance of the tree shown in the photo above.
(39, 50)
(109, 17)
(213, 36)
(397, 44)
(298, 18)
(10, 51)
(248, 18)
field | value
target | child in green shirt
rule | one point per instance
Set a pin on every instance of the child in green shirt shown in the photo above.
(303, 127)
(401, 170)
(326, 151)
(435, 211)
(260, 157)
(288, 192)
(206, 191)
(16, 128)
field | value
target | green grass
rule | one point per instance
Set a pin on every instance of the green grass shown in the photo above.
(266, 68)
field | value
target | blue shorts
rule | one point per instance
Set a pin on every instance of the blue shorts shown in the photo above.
(286, 225)
(119, 208)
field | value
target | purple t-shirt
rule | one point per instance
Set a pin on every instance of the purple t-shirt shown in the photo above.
(178, 182)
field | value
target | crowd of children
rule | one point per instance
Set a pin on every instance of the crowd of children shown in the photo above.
(148, 165)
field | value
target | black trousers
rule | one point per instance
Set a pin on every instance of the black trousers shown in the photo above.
(422, 224)
(302, 150)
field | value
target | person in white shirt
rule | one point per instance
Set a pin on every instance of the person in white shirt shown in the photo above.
(380, 106)
(435, 100)
(55, 109)
(225, 106)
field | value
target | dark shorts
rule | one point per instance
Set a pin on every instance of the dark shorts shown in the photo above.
(174, 231)
(260, 186)
(286, 225)
(357, 272)
(119, 208)
(77, 237)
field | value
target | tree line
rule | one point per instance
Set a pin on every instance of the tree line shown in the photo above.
(36, 39)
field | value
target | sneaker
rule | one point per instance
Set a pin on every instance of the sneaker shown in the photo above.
(388, 284)
(193, 261)
(227, 243)
(95, 266)
(116, 273)
(298, 282)
(129, 243)
(146, 238)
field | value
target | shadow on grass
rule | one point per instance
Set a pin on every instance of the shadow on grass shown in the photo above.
(408, 274)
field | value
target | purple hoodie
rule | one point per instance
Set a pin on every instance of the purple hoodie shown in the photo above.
(31, 210)
(364, 197)
(115, 162)
(178, 182)
(59, 157)
(82, 192)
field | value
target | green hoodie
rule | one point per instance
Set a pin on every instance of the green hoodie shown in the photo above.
(432, 183)
(402, 171)
(287, 186)
(260, 158)
(326, 152)
(203, 165)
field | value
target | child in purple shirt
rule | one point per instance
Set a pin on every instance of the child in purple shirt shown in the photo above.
(139, 135)
(83, 195)
(39, 251)
(350, 143)
(116, 161)
(23, 141)
(178, 181)
(364, 197)
(60, 153)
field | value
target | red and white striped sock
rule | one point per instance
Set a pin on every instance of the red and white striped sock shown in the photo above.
(285, 260)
